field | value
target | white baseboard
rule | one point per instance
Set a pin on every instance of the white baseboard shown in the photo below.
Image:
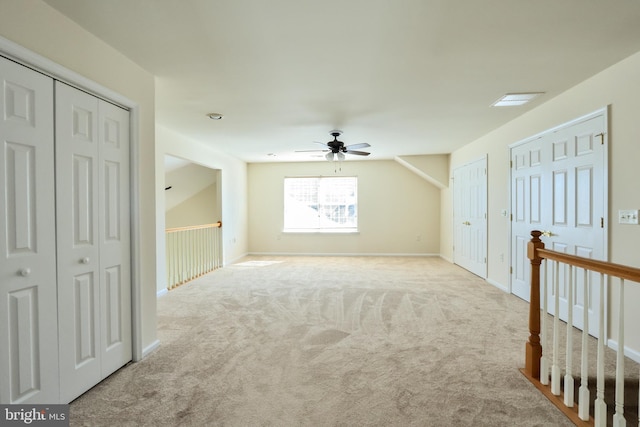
(341, 254)
(161, 292)
(629, 352)
(449, 260)
(233, 261)
(498, 285)
(150, 348)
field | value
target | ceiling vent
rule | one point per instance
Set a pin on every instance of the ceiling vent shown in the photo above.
(515, 99)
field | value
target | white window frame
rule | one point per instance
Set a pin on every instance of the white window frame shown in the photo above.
(320, 198)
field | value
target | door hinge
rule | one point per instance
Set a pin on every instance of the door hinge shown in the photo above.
(510, 217)
(601, 222)
(511, 164)
(601, 135)
(510, 270)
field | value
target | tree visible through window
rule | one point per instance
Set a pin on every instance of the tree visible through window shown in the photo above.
(321, 204)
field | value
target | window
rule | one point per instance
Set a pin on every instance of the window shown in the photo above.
(325, 204)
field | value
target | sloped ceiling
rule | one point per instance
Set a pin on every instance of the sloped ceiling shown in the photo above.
(409, 77)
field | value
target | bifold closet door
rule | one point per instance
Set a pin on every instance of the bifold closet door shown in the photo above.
(92, 203)
(28, 310)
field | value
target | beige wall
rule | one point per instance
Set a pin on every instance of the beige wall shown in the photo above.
(196, 210)
(398, 212)
(37, 27)
(617, 87)
(185, 182)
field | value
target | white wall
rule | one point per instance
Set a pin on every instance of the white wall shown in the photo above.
(37, 27)
(617, 87)
(232, 195)
(395, 206)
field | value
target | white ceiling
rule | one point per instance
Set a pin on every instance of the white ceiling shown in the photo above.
(406, 76)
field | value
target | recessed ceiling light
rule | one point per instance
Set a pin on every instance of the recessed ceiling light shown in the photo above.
(515, 99)
(215, 116)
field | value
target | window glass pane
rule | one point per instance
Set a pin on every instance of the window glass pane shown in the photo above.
(320, 203)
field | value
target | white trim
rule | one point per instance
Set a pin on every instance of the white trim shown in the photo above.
(162, 292)
(449, 260)
(44, 65)
(420, 173)
(498, 285)
(150, 348)
(367, 254)
(629, 352)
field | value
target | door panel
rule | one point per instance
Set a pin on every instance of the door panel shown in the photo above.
(78, 251)
(28, 369)
(115, 286)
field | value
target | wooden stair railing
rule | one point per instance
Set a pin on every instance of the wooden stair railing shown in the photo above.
(537, 367)
(191, 252)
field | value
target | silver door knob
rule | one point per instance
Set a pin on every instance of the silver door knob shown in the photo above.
(85, 260)
(24, 272)
(547, 233)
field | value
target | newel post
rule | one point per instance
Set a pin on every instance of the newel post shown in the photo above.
(533, 347)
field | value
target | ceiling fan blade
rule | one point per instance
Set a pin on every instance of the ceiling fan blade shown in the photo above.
(358, 153)
(310, 151)
(321, 143)
(329, 156)
(362, 145)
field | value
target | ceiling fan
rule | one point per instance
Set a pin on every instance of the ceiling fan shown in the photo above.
(336, 149)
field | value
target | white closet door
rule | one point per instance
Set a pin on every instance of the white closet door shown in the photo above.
(92, 190)
(28, 311)
(558, 184)
(77, 240)
(114, 225)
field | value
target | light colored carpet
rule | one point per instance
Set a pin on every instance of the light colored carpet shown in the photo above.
(329, 341)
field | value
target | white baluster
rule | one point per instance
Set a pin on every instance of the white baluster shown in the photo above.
(583, 397)
(167, 244)
(568, 376)
(618, 417)
(600, 410)
(555, 368)
(544, 360)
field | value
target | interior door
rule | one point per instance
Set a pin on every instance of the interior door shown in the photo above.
(559, 186)
(93, 239)
(28, 311)
(470, 217)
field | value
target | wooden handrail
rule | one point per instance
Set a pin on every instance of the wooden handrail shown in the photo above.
(194, 227)
(608, 268)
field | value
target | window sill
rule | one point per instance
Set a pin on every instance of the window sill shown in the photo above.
(325, 231)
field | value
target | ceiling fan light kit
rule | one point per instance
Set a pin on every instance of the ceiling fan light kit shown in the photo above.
(336, 150)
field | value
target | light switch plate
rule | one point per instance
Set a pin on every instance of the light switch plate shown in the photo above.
(628, 216)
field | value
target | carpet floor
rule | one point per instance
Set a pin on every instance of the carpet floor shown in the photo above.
(329, 341)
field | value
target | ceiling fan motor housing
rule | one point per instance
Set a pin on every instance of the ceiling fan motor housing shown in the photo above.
(335, 145)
